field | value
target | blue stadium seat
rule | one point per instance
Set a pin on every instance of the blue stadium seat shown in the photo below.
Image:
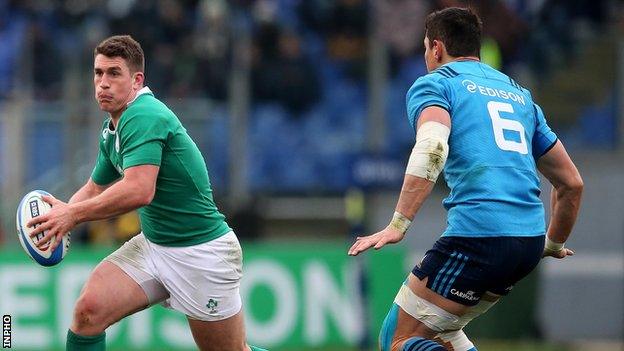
(2, 143)
(216, 148)
(598, 123)
(44, 136)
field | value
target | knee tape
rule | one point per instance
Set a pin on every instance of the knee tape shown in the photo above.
(434, 317)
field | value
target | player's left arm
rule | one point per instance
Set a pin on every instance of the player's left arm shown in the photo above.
(557, 166)
(425, 164)
(136, 189)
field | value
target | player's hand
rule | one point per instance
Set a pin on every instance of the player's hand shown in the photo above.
(60, 220)
(387, 236)
(558, 254)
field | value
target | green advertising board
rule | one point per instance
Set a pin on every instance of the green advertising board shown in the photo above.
(296, 296)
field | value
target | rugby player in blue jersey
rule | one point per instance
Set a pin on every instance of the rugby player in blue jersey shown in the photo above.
(490, 138)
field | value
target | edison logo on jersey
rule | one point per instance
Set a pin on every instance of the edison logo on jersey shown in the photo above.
(473, 87)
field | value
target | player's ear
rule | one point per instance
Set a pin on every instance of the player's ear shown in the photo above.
(438, 49)
(137, 79)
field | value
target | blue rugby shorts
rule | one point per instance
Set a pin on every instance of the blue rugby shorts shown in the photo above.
(462, 269)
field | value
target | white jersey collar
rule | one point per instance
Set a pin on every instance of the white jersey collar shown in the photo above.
(110, 129)
(144, 90)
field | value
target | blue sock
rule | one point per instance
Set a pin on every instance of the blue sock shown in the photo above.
(388, 328)
(473, 349)
(77, 342)
(421, 344)
(253, 348)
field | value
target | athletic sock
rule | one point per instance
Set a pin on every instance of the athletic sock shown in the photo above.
(420, 344)
(388, 328)
(77, 342)
(253, 348)
(473, 349)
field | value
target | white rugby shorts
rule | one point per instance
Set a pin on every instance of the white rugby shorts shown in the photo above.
(202, 281)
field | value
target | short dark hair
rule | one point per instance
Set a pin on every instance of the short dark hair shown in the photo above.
(458, 28)
(125, 47)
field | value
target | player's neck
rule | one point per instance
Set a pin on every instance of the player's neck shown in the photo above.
(116, 115)
(462, 58)
(449, 59)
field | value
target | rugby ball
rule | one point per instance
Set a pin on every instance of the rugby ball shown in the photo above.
(32, 205)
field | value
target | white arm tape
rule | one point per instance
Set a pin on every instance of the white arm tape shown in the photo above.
(400, 222)
(552, 247)
(430, 151)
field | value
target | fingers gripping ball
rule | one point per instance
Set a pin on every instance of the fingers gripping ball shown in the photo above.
(32, 205)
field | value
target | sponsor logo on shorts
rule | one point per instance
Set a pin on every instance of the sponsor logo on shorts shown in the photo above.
(468, 295)
(212, 306)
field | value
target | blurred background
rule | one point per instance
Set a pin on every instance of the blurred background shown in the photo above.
(298, 107)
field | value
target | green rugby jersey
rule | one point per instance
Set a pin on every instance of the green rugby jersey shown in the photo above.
(183, 212)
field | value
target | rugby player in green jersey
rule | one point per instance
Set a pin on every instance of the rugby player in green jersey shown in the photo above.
(186, 257)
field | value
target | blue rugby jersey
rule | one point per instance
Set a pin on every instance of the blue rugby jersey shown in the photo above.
(497, 134)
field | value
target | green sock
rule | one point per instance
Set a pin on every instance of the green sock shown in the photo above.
(77, 342)
(253, 348)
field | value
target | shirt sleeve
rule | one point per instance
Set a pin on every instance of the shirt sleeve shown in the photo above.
(104, 172)
(544, 138)
(425, 92)
(142, 140)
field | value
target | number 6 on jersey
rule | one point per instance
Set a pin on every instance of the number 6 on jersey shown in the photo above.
(499, 124)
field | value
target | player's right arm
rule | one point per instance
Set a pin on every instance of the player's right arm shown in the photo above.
(425, 164)
(87, 191)
(428, 109)
(561, 172)
(103, 176)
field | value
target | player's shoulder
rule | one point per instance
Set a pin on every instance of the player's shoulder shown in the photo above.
(146, 102)
(147, 109)
(437, 76)
(518, 86)
(507, 80)
(443, 72)
(433, 80)
(438, 79)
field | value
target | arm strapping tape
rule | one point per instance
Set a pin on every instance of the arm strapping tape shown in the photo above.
(400, 222)
(430, 151)
(552, 247)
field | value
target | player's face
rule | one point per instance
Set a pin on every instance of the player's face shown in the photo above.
(115, 85)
